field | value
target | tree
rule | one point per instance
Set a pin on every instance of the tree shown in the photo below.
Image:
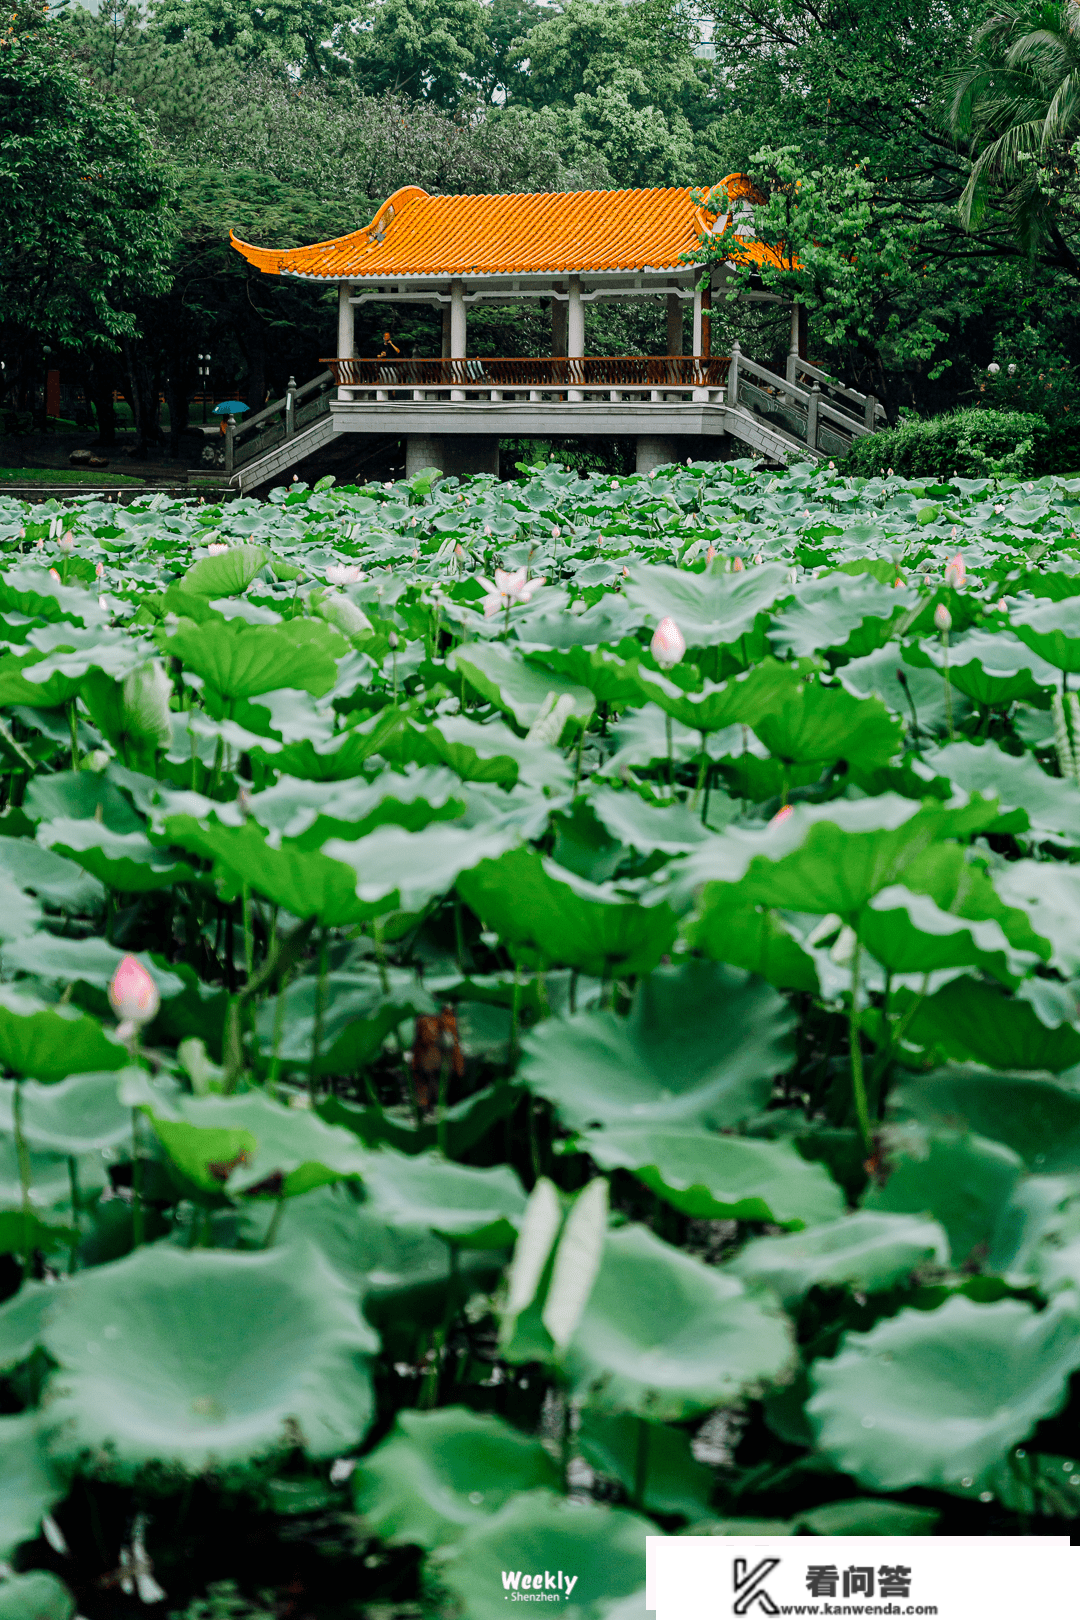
(1016, 104)
(306, 35)
(85, 222)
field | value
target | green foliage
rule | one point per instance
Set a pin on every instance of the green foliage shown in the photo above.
(516, 1111)
(974, 443)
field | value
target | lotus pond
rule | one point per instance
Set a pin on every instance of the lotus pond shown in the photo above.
(532, 1013)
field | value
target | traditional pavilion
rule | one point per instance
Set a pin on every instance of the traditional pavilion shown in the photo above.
(570, 250)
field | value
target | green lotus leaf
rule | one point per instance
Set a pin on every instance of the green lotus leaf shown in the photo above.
(1036, 1116)
(227, 574)
(27, 1486)
(438, 1473)
(484, 753)
(665, 1336)
(399, 870)
(55, 881)
(831, 857)
(847, 617)
(727, 610)
(502, 677)
(1027, 796)
(478, 1209)
(672, 829)
(357, 1015)
(242, 660)
(1048, 893)
(21, 1322)
(731, 930)
(963, 1181)
(127, 862)
(543, 911)
(306, 883)
(989, 669)
(815, 723)
(89, 961)
(622, 1446)
(42, 1042)
(939, 1397)
(701, 1043)
(19, 914)
(970, 1019)
(911, 933)
(202, 1360)
(878, 674)
(600, 1549)
(35, 1596)
(711, 1177)
(81, 796)
(16, 687)
(745, 699)
(82, 1114)
(867, 1250)
(1051, 629)
(253, 1144)
(869, 1516)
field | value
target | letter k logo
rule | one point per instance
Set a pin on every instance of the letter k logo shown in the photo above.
(749, 1588)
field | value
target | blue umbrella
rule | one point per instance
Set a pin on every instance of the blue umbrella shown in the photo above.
(230, 407)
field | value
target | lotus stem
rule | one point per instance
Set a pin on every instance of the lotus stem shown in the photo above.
(858, 1081)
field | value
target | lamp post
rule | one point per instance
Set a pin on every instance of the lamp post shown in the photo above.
(204, 381)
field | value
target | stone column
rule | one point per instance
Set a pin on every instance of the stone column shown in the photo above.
(423, 450)
(655, 452)
(445, 331)
(346, 345)
(697, 319)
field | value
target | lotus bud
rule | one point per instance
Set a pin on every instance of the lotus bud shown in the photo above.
(99, 571)
(942, 618)
(709, 555)
(133, 995)
(782, 814)
(888, 472)
(54, 575)
(738, 566)
(216, 548)
(758, 560)
(668, 646)
(392, 641)
(955, 572)
(67, 541)
(243, 800)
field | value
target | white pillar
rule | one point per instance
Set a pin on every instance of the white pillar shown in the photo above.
(346, 343)
(697, 319)
(575, 329)
(457, 328)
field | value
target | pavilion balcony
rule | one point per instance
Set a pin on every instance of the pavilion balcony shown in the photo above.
(559, 379)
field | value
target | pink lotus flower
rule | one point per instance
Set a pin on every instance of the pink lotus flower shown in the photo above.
(344, 574)
(508, 589)
(668, 645)
(217, 548)
(955, 572)
(942, 618)
(133, 996)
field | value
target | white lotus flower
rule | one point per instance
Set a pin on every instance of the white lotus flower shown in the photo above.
(344, 574)
(506, 589)
(216, 548)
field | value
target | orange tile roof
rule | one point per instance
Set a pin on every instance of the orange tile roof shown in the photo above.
(538, 233)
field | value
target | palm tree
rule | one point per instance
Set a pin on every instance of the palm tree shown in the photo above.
(1016, 104)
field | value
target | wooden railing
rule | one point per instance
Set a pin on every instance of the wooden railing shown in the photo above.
(282, 420)
(588, 371)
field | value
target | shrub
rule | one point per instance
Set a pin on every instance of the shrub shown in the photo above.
(971, 442)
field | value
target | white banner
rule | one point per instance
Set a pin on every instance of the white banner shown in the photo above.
(948, 1577)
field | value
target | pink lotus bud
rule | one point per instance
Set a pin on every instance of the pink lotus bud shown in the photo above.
(66, 542)
(888, 472)
(54, 575)
(955, 572)
(668, 645)
(99, 571)
(782, 814)
(942, 618)
(709, 555)
(758, 560)
(133, 995)
(738, 566)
